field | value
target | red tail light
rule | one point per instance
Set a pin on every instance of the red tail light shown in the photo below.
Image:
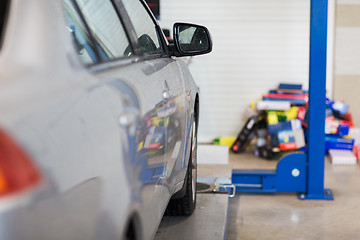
(17, 172)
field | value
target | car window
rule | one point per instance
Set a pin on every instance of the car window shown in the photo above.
(4, 7)
(106, 28)
(146, 32)
(80, 36)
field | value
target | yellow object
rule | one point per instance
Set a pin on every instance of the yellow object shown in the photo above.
(272, 118)
(291, 113)
(157, 121)
(229, 141)
(252, 105)
(276, 149)
(225, 141)
(140, 146)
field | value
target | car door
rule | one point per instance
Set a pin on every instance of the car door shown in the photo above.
(134, 72)
(173, 111)
(110, 152)
(69, 129)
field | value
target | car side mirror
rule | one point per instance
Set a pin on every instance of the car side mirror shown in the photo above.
(191, 40)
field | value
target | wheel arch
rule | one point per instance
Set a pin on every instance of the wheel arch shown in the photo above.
(197, 110)
(133, 230)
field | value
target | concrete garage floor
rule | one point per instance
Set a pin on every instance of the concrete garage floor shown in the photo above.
(283, 216)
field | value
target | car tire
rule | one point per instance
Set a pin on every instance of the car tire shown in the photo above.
(185, 206)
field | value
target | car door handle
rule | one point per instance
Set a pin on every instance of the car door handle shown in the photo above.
(129, 117)
(166, 92)
(166, 95)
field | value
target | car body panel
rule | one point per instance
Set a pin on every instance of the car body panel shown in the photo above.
(97, 171)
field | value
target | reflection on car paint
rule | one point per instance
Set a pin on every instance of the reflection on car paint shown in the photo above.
(158, 126)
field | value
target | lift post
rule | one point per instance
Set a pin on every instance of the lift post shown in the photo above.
(317, 97)
(299, 172)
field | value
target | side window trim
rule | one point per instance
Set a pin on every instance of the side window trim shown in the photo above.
(157, 27)
(78, 11)
(162, 40)
(102, 64)
(3, 22)
(131, 29)
(93, 41)
(124, 22)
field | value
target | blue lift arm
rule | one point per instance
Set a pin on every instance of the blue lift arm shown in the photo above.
(299, 172)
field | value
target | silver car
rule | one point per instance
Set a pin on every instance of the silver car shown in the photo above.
(98, 119)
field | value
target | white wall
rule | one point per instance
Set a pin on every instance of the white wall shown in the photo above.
(330, 48)
(257, 45)
(347, 55)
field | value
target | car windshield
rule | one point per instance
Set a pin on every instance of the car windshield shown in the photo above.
(4, 6)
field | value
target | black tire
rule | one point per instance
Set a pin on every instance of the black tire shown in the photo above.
(130, 233)
(186, 205)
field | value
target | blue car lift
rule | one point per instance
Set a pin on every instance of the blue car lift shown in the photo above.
(302, 173)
